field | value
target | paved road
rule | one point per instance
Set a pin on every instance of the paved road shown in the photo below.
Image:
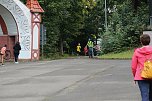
(68, 80)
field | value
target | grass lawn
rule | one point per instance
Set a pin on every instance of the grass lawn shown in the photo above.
(123, 55)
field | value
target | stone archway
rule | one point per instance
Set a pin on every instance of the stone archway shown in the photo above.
(8, 30)
(17, 18)
(3, 26)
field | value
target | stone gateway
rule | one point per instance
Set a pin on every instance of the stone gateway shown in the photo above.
(19, 22)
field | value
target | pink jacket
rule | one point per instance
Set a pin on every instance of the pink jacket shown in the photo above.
(3, 49)
(139, 56)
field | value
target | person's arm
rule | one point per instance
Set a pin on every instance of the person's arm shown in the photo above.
(19, 47)
(134, 64)
(14, 47)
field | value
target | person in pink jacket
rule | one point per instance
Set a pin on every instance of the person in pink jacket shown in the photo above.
(138, 59)
(3, 50)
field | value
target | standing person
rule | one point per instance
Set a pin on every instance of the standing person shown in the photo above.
(3, 50)
(138, 59)
(98, 50)
(90, 46)
(17, 49)
(78, 49)
(85, 50)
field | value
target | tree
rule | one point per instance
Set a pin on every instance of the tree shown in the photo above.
(71, 21)
(124, 26)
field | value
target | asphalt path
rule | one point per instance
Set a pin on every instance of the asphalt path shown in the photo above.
(68, 80)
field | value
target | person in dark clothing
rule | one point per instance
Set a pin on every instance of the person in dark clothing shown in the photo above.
(17, 49)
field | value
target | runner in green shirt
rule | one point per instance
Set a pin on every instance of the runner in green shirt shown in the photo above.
(90, 46)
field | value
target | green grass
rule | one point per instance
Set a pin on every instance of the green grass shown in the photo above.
(123, 55)
(55, 57)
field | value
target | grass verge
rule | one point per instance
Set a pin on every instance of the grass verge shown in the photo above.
(123, 55)
(56, 56)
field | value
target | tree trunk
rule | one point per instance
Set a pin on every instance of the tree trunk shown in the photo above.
(61, 46)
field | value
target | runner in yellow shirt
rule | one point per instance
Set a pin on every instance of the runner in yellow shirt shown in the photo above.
(78, 49)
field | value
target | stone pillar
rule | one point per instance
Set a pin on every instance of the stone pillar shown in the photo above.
(36, 11)
(36, 20)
